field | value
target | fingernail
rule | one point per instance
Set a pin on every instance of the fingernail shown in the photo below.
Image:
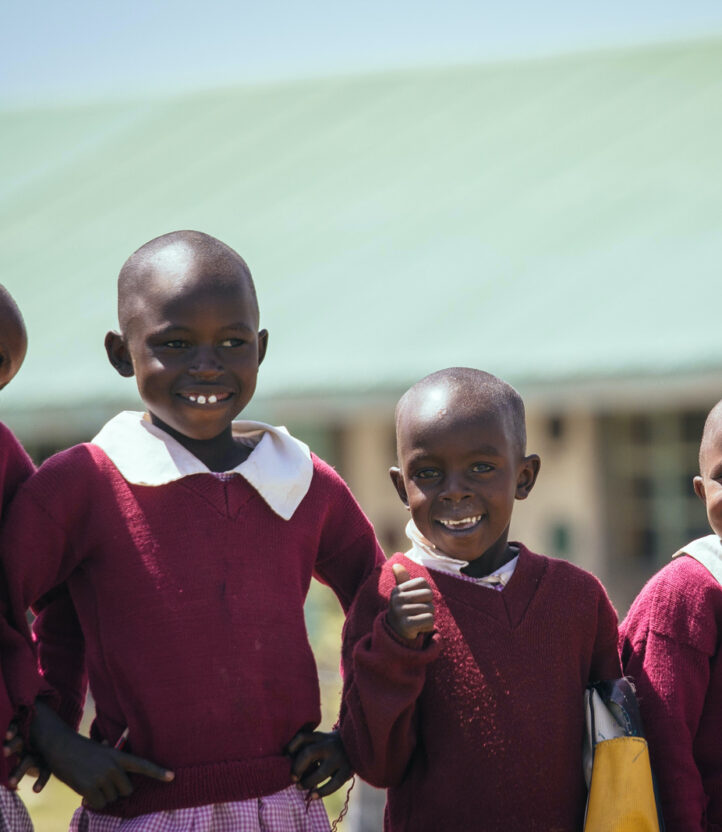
(294, 779)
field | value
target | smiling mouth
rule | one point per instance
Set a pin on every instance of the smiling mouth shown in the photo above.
(461, 525)
(205, 398)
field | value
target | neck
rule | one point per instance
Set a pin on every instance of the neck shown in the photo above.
(494, 558)
(221, 453)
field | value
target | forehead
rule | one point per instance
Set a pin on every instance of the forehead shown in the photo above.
(177, 283)
(440, 419)
(711, 448)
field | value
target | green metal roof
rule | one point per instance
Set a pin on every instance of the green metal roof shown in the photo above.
(547, 220)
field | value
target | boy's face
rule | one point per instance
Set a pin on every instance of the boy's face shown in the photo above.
(460, 472)
(13, 340)
(194, 347)
(708, 485)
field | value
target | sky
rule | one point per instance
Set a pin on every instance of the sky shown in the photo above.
(55, 51)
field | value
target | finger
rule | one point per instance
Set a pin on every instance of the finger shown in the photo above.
(319, 773)
(413, 612)
(137, 765)
(301, 739)
(13, 746)
(421, 623)
(400, 573)
(42, 781)
(94, 799)
(21, 769)
(335, 783)
(12, 730)
(305, 761)
(121, 782)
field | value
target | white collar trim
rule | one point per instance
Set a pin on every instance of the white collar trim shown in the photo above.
(279, 466)
(708, 551)
(424, 553)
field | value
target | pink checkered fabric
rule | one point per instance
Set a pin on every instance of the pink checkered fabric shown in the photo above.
(284, 811)
(13, 814)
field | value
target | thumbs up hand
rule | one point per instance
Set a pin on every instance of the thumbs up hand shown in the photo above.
(411, 607)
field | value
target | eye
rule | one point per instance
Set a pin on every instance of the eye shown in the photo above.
(481, 468)
(176, 344)
(232, 342)
(427, 474)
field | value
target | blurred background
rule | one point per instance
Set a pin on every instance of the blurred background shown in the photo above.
(531, 189)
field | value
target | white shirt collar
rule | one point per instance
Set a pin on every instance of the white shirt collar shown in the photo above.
(708, 551)
(424, 553)
(279, 466)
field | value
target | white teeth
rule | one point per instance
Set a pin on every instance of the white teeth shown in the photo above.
(201, 399)
(212, 399)
(192, 397)
(467, 521)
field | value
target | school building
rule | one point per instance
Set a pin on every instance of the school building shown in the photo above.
(555, 221)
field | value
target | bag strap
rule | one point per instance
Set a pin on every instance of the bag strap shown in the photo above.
(708, 551)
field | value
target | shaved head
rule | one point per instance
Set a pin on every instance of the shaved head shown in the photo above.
(13, 338)
(182, 258)
(470, 391)
(710, 435)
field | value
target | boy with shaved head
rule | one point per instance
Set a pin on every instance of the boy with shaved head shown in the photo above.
(188, 540)
(466, 658)
(670, 645)
(15, 467)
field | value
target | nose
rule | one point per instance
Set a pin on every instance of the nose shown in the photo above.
(455, 488)
(205, 364)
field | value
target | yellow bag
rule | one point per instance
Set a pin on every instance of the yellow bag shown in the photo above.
(616, 760)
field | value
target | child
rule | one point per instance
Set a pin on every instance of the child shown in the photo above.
(188, 542)
(15, 467)
(465, 660)
(670, 645)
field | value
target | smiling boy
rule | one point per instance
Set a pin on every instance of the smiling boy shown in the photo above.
(465, 659)
(188, 540)
(670, 645)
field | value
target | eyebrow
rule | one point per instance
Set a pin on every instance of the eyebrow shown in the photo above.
(181, 328)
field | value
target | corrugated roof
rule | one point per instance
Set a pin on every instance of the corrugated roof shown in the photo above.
(547, 220)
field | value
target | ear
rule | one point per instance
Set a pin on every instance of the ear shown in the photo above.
(262, 345)
(398, 481)
(698, 485)
(118, 354)
(528, 472)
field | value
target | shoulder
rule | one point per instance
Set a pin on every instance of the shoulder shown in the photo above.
(324, 474)
(10, 447)
(78, 467)
(329, 487)
(569, 577)
(682, 601)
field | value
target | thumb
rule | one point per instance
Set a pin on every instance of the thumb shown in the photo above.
(400, 574)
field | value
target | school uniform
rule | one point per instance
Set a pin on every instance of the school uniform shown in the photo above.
(479, 725)
(15, 467)
(670, 646)
(189, 587)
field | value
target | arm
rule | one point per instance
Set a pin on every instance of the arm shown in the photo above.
(671, 681)
(36, 554)
(61, 652)
(605, 658)
(384, 675)
(318, 756)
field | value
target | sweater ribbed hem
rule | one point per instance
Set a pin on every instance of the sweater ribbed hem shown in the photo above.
(202, 784)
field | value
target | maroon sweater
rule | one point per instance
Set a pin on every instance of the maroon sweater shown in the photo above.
(480, 726)
(190, 596)
(670, 645)
(15, 467)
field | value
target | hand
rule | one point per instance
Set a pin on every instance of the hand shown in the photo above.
(29, 763)
(98, 773)
(411, 607)
(317, 757)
